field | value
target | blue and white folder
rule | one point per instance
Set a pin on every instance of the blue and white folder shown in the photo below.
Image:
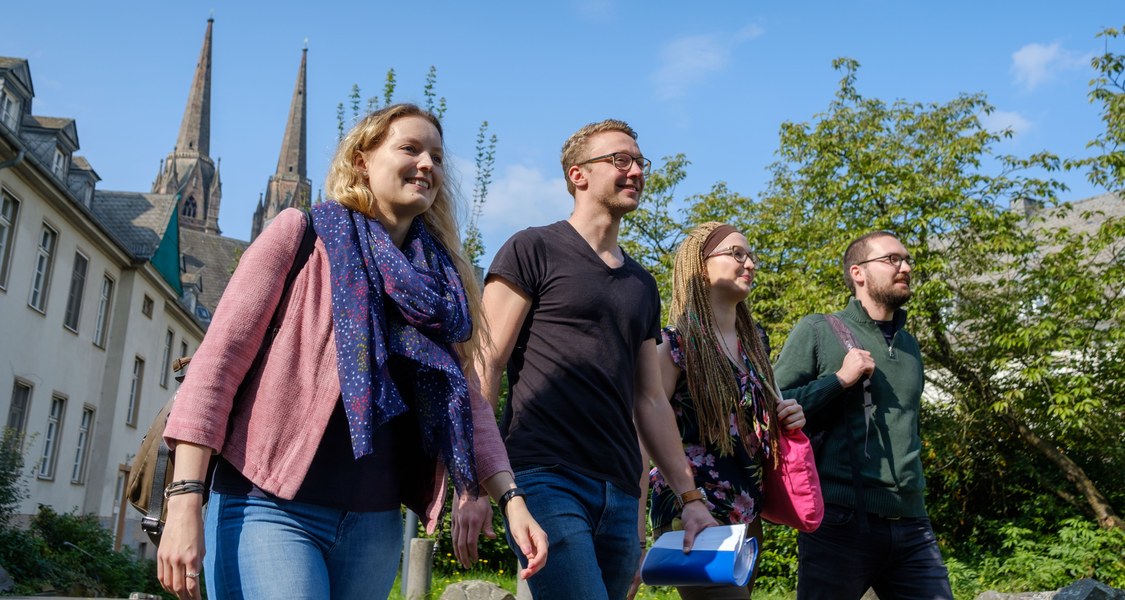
(722, 555)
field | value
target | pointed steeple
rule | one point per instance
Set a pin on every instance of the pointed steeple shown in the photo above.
(189, 170)
(292, 159)
(289, 186)
(195, 130)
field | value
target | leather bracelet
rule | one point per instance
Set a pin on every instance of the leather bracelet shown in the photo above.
(699, 494)
(507, 497)
(184, 486)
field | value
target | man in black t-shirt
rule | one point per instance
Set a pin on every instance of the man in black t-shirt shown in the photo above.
(576, 322)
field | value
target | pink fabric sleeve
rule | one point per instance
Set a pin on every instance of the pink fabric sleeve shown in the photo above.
(491, 456)
(203, 403)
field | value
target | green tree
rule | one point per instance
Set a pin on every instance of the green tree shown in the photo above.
(1024, 343)
(485, 161)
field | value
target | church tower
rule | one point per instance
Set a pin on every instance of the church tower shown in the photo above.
(289, 187)
(189, 171)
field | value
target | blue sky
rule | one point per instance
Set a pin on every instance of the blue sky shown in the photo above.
(713, 80)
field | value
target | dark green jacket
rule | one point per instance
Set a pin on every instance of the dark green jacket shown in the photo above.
(892, 468)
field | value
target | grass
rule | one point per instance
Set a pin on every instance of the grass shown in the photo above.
(508, 582)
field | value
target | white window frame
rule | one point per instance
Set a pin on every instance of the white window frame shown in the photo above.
(9, 215)
(105, 304)
(58, 165)
(166, 358)
(135, 385)
(52, 437)
(77, 290)
(41, 273)
(9, 109)
(82, 450)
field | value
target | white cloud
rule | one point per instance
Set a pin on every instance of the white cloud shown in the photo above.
(521, 197)
(1036, 64)
(687, 61)
(1000, 120)
(595, 10)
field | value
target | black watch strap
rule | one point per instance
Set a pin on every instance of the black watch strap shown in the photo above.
(507, 497)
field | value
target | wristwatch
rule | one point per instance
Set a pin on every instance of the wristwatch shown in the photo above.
(507, 497)
(690, 496)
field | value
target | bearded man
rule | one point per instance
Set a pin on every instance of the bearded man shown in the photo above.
(858, 375)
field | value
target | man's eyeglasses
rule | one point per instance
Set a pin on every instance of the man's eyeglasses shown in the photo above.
(622, 160)
(891, 259)
(737, 253)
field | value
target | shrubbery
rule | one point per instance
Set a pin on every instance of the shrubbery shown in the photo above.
(63, 553)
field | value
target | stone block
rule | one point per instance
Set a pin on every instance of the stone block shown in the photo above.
(475, 589)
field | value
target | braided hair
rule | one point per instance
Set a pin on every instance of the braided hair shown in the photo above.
(714, 390)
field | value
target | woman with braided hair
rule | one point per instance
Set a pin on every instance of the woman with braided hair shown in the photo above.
(716, 372)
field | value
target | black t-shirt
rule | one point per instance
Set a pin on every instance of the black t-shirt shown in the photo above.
(571, 374)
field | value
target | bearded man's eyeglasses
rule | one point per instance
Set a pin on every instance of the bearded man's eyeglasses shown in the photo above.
(623, 161)
(891, 259)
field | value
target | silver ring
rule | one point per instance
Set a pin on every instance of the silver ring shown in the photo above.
(192, 575)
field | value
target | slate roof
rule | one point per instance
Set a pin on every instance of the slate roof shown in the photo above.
(209, 262)
(135, 219)
(1111, 205)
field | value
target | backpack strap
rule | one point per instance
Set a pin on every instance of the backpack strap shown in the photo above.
(848, 341)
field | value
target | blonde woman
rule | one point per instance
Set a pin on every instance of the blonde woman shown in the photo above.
(716, 373)
(361, 404)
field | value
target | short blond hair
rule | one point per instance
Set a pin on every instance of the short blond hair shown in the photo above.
(574, 150)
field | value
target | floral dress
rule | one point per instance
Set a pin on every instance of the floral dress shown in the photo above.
(734, 482)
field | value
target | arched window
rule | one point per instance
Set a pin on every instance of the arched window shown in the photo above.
(189, 207)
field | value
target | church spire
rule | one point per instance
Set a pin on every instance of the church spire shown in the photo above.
(289, 186)
(292, 159)
(195, 130)
(189, 171)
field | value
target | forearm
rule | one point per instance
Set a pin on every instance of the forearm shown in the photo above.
(192, 461)
(490, 372)
(656, 425)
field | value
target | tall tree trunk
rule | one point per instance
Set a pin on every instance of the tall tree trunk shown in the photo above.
(1105, 514)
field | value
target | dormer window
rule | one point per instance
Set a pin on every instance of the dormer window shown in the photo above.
(9, 109)
(59, 164)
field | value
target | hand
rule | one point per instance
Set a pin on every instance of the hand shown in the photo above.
(857, 363)
(695, 518)
(470, 518)
(790, 414)
(529, 536)
(181, 550)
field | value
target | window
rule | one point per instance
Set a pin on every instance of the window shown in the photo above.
(78, 471)
(9, 109)
(9, 209)
(101, 325)
(146, 306)
(77, 288)
(135, 391)
(58, 167)
(40, 281)
(189, 207)
(51, 438)
(17, 412)
(166, 361)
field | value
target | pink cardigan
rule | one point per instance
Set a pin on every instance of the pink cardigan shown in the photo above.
(272, 441)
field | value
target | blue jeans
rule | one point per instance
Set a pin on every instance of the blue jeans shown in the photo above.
(268, 548)
(899, 558)
(592, 528)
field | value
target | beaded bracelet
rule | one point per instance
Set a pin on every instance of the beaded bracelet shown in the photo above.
(184, 486)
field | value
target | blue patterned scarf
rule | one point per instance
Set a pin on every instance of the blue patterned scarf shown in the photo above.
(408, 303)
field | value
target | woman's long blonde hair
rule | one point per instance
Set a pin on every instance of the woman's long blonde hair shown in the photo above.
(346, 185)
(714, 390)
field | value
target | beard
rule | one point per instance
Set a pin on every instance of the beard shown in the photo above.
(890, 296)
